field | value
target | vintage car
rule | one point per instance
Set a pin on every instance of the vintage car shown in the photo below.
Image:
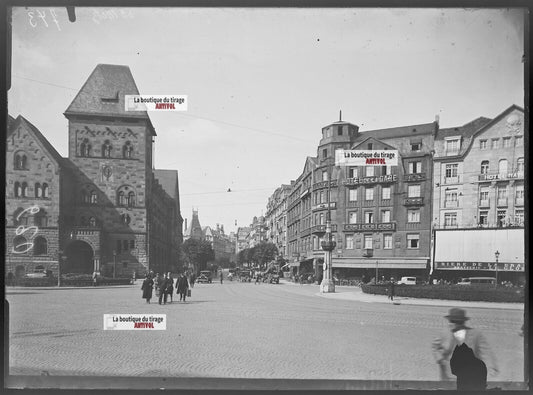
(204, 277)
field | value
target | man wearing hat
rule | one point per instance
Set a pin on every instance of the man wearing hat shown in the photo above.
(458, 334)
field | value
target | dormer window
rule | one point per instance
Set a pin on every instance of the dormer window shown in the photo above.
(453, 145)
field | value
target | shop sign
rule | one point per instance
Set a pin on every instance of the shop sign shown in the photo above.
(371, 180)
(504, 267)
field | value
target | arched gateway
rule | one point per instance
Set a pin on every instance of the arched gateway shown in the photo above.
(79, 256)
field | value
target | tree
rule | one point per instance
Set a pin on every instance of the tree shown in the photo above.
(264, 253)
(198, 253)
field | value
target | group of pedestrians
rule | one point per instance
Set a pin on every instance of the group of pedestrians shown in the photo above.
(164, 287)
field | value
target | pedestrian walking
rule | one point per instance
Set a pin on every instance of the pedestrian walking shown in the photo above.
(95, 278)
(391, 289)
(182, 285)
(163, 290)
(157, 283)
(193, 279)
(147, 287)
(221, 277)
(458, 333)
(170, 287)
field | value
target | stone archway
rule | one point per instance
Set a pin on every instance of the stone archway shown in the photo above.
(79, 258)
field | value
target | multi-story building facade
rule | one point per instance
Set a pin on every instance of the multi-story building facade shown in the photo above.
(479, 187)
(103, 208)
(241, 241)
(276, 219)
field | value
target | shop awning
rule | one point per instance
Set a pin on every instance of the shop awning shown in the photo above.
(382, 263)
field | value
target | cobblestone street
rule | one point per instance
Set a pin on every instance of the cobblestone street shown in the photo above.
(242, 330)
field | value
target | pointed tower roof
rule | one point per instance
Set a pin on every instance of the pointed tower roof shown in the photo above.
(103, 94)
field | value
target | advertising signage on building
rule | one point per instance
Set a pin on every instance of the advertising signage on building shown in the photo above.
(492, 177)
(371, 180)
(366, 157)
(504, 267)
(370, 227)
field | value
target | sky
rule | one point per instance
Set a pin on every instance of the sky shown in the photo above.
(262, 83)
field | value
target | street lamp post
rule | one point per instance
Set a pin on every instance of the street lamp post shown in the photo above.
(497, 255)
(377, 272)
(59, 258)
(328, 245)
(114, 262)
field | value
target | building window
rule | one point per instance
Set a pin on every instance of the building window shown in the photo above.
(386, 170)
(501, 215)
(506, 142)
(369, 146)
(452, 147)
(387, 242)
(502, 195)
(24, 190)
(483, 217)
(92, 222)
(38, 190)
(368, 242)
(20, 162)
(352, 172)
(482, 144)
(352, 217)
(413, 216)
(415, 167)
(40, 219)
(450, 219)
(413, 241)
(339, 131)
(502, 167)
(21, 245)
(121, 199)
(385, 193)
(127, 150)
(349, 242)
(369, 193)
(324, 175)
(17, 189)
(369, 172)
(322, 222)
(451, 172)
(416, 146)
(450, 198)
(131, 199)
(325, 153)
(85, 148)
(132, 244)
(519, 217)
(519, 194)
(485, 167)
(46, 191)
(352, 194)
(518, 141)
(40, 246)
(484, 196)
(125, 245)
(106, 149)
(520, 165)
(94, 197)
(413, 191)
(495, 143)
(385, 216)
(369, 217)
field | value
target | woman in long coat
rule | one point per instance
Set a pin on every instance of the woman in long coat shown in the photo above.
(147, 286)
(182, 285)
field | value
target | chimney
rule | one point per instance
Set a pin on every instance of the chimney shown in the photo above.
(437, 119)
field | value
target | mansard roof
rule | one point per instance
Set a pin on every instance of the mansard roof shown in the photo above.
(103, 94)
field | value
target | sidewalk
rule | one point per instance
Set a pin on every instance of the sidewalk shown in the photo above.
(356, 294)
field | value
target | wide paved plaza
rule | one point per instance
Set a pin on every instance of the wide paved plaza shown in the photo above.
(241, 330)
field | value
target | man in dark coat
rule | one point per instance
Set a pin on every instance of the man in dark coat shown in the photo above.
(163, 290)
(471, 372)
(170, 287)
(182, 285)
(147, 286)
(391, 289)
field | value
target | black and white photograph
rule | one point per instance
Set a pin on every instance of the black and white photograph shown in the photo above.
(266, 198)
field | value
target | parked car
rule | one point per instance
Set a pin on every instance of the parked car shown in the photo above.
(205, 277)
(245, 275)
(409, 281)
(274, 278)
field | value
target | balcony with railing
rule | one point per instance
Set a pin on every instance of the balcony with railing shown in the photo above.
(452, 180)
(369, 203)
(413, 201)
(352, 203)
(386, 202)
(451, 203)
(502, 202)
(414, 177)
(484, 203)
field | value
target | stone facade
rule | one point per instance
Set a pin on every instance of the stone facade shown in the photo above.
(104, 209)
